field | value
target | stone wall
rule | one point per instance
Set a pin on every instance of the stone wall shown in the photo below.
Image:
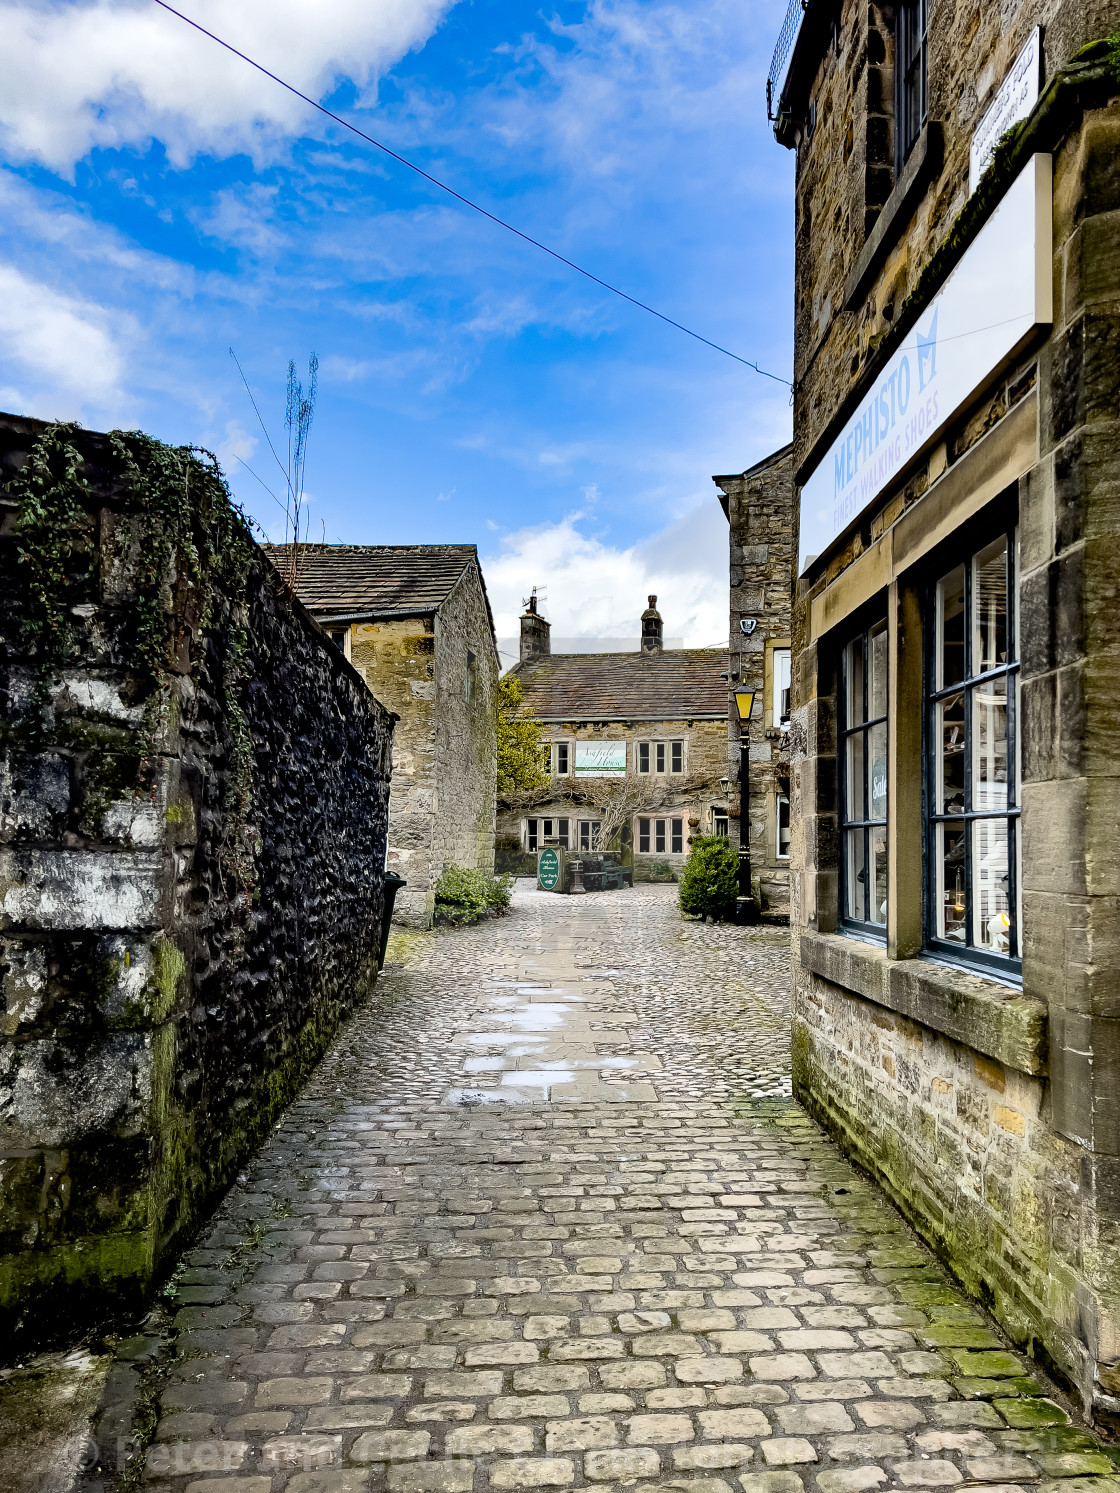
(760, 519)
(466, 730)
(192, 835)
(989, 1113)
(397, 661)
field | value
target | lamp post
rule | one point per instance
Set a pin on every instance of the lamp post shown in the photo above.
(745, 909)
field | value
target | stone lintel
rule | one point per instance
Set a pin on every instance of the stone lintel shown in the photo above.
(981, 1014)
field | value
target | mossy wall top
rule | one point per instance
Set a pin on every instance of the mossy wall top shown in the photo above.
(193, 806)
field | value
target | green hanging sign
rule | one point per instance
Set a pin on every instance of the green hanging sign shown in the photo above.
(548, 870)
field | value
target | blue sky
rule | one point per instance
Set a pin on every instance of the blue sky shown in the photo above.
(160, 202)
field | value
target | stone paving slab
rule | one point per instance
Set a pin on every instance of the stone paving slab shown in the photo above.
(546, 1218)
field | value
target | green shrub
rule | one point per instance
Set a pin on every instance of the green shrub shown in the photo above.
(709, 879)
(464, 896)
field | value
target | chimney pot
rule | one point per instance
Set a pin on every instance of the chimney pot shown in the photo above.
(652, 641)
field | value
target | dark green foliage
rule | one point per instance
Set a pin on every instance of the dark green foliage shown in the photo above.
(53, 541)
(709, 880)
(464, 896)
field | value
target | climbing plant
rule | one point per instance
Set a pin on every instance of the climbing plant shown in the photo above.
(186, 550)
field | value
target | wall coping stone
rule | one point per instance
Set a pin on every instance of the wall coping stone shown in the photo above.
(991, 1018)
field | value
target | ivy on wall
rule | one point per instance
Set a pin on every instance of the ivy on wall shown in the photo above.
(184, 551)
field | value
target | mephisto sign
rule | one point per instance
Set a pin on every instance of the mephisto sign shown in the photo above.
(992, 302)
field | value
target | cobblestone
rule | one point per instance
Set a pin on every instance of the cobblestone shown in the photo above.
(546, 1217)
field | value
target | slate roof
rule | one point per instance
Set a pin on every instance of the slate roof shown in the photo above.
(676, 684)
(378, 579)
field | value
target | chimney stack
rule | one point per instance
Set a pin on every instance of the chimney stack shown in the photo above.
(651, 628)
(534, 632)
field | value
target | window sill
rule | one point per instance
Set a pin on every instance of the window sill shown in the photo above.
(923, 163)
(982, 1014)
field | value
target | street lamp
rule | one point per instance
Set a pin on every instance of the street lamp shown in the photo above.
(745, 909)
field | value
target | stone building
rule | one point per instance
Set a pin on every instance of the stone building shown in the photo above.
(956, 762)
(415, 622)
(759, 508)
(646, 730)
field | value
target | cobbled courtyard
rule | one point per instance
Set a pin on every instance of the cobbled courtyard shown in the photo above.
(546, 1218)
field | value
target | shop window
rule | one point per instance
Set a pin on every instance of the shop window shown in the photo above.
(972, 789)
(779, 688)
(911, 39)
(589, 834)
(781, 822)
(863, 781)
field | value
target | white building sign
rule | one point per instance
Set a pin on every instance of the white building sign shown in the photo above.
(600, 759)
(997, 295)
(1017, 96)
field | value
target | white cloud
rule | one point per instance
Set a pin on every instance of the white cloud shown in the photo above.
(600, 590)
(70, 356)
(123, 72)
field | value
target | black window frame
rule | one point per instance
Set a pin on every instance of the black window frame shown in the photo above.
(1008, 966)
(865, 927)
(911, 72)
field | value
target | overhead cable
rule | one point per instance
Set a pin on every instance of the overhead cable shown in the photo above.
(466, 201)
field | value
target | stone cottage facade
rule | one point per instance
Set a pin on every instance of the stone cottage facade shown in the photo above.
(956, 762)
(648, 729)
(759, 508)
(415, 622)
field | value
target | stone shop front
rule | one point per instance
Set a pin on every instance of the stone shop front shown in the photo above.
(955, 635)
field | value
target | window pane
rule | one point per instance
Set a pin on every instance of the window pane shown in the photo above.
(877, 670)
(949, 899)
(643, 756)
(562, 757)
(781, 686)
(950, 629)
(853, 672)
(643, 836)
(678, 756)
(879, 883)
(547, 828)
(989, 745)
(856, 786)
(678, 837)
(855, 876)
(783, 825)
(948, 785)
(877, 753)
(991, 927)
(989, 607)
(562, 832)
(531, 833)
(659, 835)
(660, 756)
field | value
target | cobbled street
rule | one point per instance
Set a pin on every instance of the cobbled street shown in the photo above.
(546, 1218)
